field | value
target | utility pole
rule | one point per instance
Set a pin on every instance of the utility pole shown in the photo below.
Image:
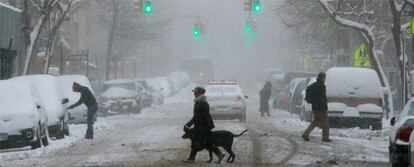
(404, 90)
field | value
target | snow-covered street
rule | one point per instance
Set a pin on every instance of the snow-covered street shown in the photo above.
(153, 138)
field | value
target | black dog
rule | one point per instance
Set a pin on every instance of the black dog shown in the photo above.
(220, 138)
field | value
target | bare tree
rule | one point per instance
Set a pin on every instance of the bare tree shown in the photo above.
(125, 25)
(52, 12)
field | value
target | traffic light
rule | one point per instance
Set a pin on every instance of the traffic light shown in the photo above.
(257, 7)
(199, 28)
(249, 41)
(254, 35)
(248, 27)
(196, 32)
(148, 7)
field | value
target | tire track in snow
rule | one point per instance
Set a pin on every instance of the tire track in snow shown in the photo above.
(258, 146)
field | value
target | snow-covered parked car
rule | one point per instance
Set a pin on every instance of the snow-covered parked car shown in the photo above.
(399, 137)
(226, 100)
(355, 98)
(162, 84)
(78, 114)
(179, 79)
(23, 120)
(121, 96)
(54, 102)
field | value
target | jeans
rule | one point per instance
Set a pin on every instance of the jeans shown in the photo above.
(90, 120)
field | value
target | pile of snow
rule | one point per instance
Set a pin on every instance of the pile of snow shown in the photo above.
(180, 79)
(115, 92)
(291, 124)
(354, 82)
(162, 84)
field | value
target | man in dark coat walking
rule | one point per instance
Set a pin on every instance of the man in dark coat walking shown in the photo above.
(203, 123)
(265, 94)
(317, 97)
(89, 100)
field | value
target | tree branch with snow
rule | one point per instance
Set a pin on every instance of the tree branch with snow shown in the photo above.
(365, 30)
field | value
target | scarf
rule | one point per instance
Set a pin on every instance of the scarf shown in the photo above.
(200, 99)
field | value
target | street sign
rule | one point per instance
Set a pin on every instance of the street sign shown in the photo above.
(361, 57)
(412, 25)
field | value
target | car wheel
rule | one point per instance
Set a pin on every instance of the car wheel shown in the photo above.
(37, 143)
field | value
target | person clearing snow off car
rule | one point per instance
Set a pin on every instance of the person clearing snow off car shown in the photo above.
(203, 123)
(265, 94)
(316, 95)
(89, 100)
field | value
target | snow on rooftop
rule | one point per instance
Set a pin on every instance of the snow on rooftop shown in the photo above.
(10, 7)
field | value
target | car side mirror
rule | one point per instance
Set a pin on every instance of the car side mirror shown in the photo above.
(392, 121)
(65, 100)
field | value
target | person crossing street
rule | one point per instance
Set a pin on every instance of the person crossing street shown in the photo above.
(316, 95)
(203, 124)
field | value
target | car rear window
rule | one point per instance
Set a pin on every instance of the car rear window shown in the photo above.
(223, 90)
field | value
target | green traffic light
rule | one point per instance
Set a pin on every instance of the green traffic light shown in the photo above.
(148, 7)
(249, 41)
(196, 32)
(254, 35)
(247, 28)
(257, 7)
